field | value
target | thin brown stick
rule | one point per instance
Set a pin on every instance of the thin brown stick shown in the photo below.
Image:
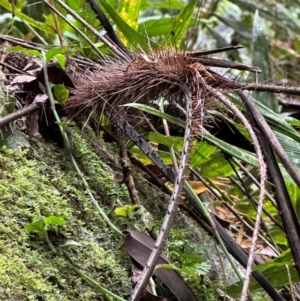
(76, 29)
(20, 113)
(111, 46)
(290, 168)
(263, 176)
(252, 178)
(170, 214)
(262, 88)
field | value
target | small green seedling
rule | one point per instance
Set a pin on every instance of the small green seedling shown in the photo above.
(41, 226)
(126, 210)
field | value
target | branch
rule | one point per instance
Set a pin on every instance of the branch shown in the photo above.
(286, 210)
(237, 252)
(108, 28)
(20, 113)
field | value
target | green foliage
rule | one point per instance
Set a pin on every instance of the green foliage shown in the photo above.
(61, 93)
(126, 210)
(269, 32)
(44, 191)
(42, 225)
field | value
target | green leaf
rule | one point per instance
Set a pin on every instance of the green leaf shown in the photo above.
(55, 51)
(17, 12)
(201, 152)
(61, 59)
(126, 210)
(129, 11)
(61, 93)
(169, 141)
(180, 24)
(157, 113)
(218, 166)
(24, 50)
(276, 121)
(38, 226)
(271, 270)
(133, 37)
(294, 193)
(156, 27)
(261, 60)
(226, 147)
(234, 151)
(202, 268)
(54, 220)
(291, 147)
(169, 5)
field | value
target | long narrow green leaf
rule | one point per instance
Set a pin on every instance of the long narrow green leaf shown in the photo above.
(133, 37)
(234, 151)
(238, 26)
(157, 113)
(261, 59)
(129, 11)
(276, 121)
(180, 24)
(226, 147)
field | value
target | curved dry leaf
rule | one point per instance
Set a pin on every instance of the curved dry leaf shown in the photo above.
(139, 246)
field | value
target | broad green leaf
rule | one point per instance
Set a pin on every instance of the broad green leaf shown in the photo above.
(133, 37)
(246, 208)
(61, 59)
(271, 270)
(129, 11)
(37, 226)
(277, 276)
(74, 4)
(145, 160)
(24, 50)
(180, 25)
(234, 151)
(291, 147)
(169, 5)
(218, 166)
(17, 12)
(55, 51)
(54, 220)
(169, 141)
(126, 210)
(159, 27)
(277, 235)
(226, 147)
(201, 152)
(261, 60)
(61, 93)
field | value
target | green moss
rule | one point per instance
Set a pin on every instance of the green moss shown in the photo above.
(42, 182)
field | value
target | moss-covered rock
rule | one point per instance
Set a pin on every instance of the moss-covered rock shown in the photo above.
(41, 182)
